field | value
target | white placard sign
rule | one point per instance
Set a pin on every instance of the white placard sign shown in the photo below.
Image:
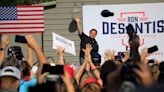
(147, 20)
(63, 42)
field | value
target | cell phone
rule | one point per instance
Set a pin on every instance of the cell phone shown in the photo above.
(53, 69)
(20, 39)
(121, 55)
(152, 49)
(151, 61)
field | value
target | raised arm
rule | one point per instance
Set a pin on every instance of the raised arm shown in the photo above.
(143, 55)
(60, 52)
(144, 75)
(80, 72)
(79, 28)
(88, 58)
(30, 59)
(109, 55)
(3, 46)
(67, 80)
(37, 49)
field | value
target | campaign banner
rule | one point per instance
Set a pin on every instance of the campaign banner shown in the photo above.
(67, 44)
(147, 20)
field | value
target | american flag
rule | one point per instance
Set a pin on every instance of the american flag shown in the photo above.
(21, 19)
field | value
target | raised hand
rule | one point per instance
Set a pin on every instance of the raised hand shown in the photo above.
(4, 44)
(60, 51)
(144, 54)
(5, 41)
(32, 42)
(88, 49)
(37, 49)
(42, 77)
(77, 19)
(67, 80)
(109, 55)
(79, 28)
(126, 57)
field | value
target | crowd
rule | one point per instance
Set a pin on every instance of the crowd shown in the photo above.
(133, 72)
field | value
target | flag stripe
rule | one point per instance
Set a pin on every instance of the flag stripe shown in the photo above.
(30, 14)
(23, 21)
(22, 28)
(22, 25)
(31, 19)
(28, 6)
(27, 17)
(29, 10)
(37, 8)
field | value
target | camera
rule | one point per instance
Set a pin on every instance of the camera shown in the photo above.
(53, 69)
(53, 79)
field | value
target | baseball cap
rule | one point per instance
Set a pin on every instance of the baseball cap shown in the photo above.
(10, 71)
(69, 70)
(107, 13)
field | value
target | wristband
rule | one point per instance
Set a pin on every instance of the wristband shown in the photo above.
(93, 68)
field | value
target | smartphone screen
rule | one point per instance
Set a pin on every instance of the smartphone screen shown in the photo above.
(57, 69)
(20, 39)
(152, 49)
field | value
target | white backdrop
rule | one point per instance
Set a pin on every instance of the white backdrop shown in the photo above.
(147, 19)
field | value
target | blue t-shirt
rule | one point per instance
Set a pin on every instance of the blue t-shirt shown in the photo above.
(24, 85)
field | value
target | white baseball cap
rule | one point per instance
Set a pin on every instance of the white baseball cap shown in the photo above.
(10, 71)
